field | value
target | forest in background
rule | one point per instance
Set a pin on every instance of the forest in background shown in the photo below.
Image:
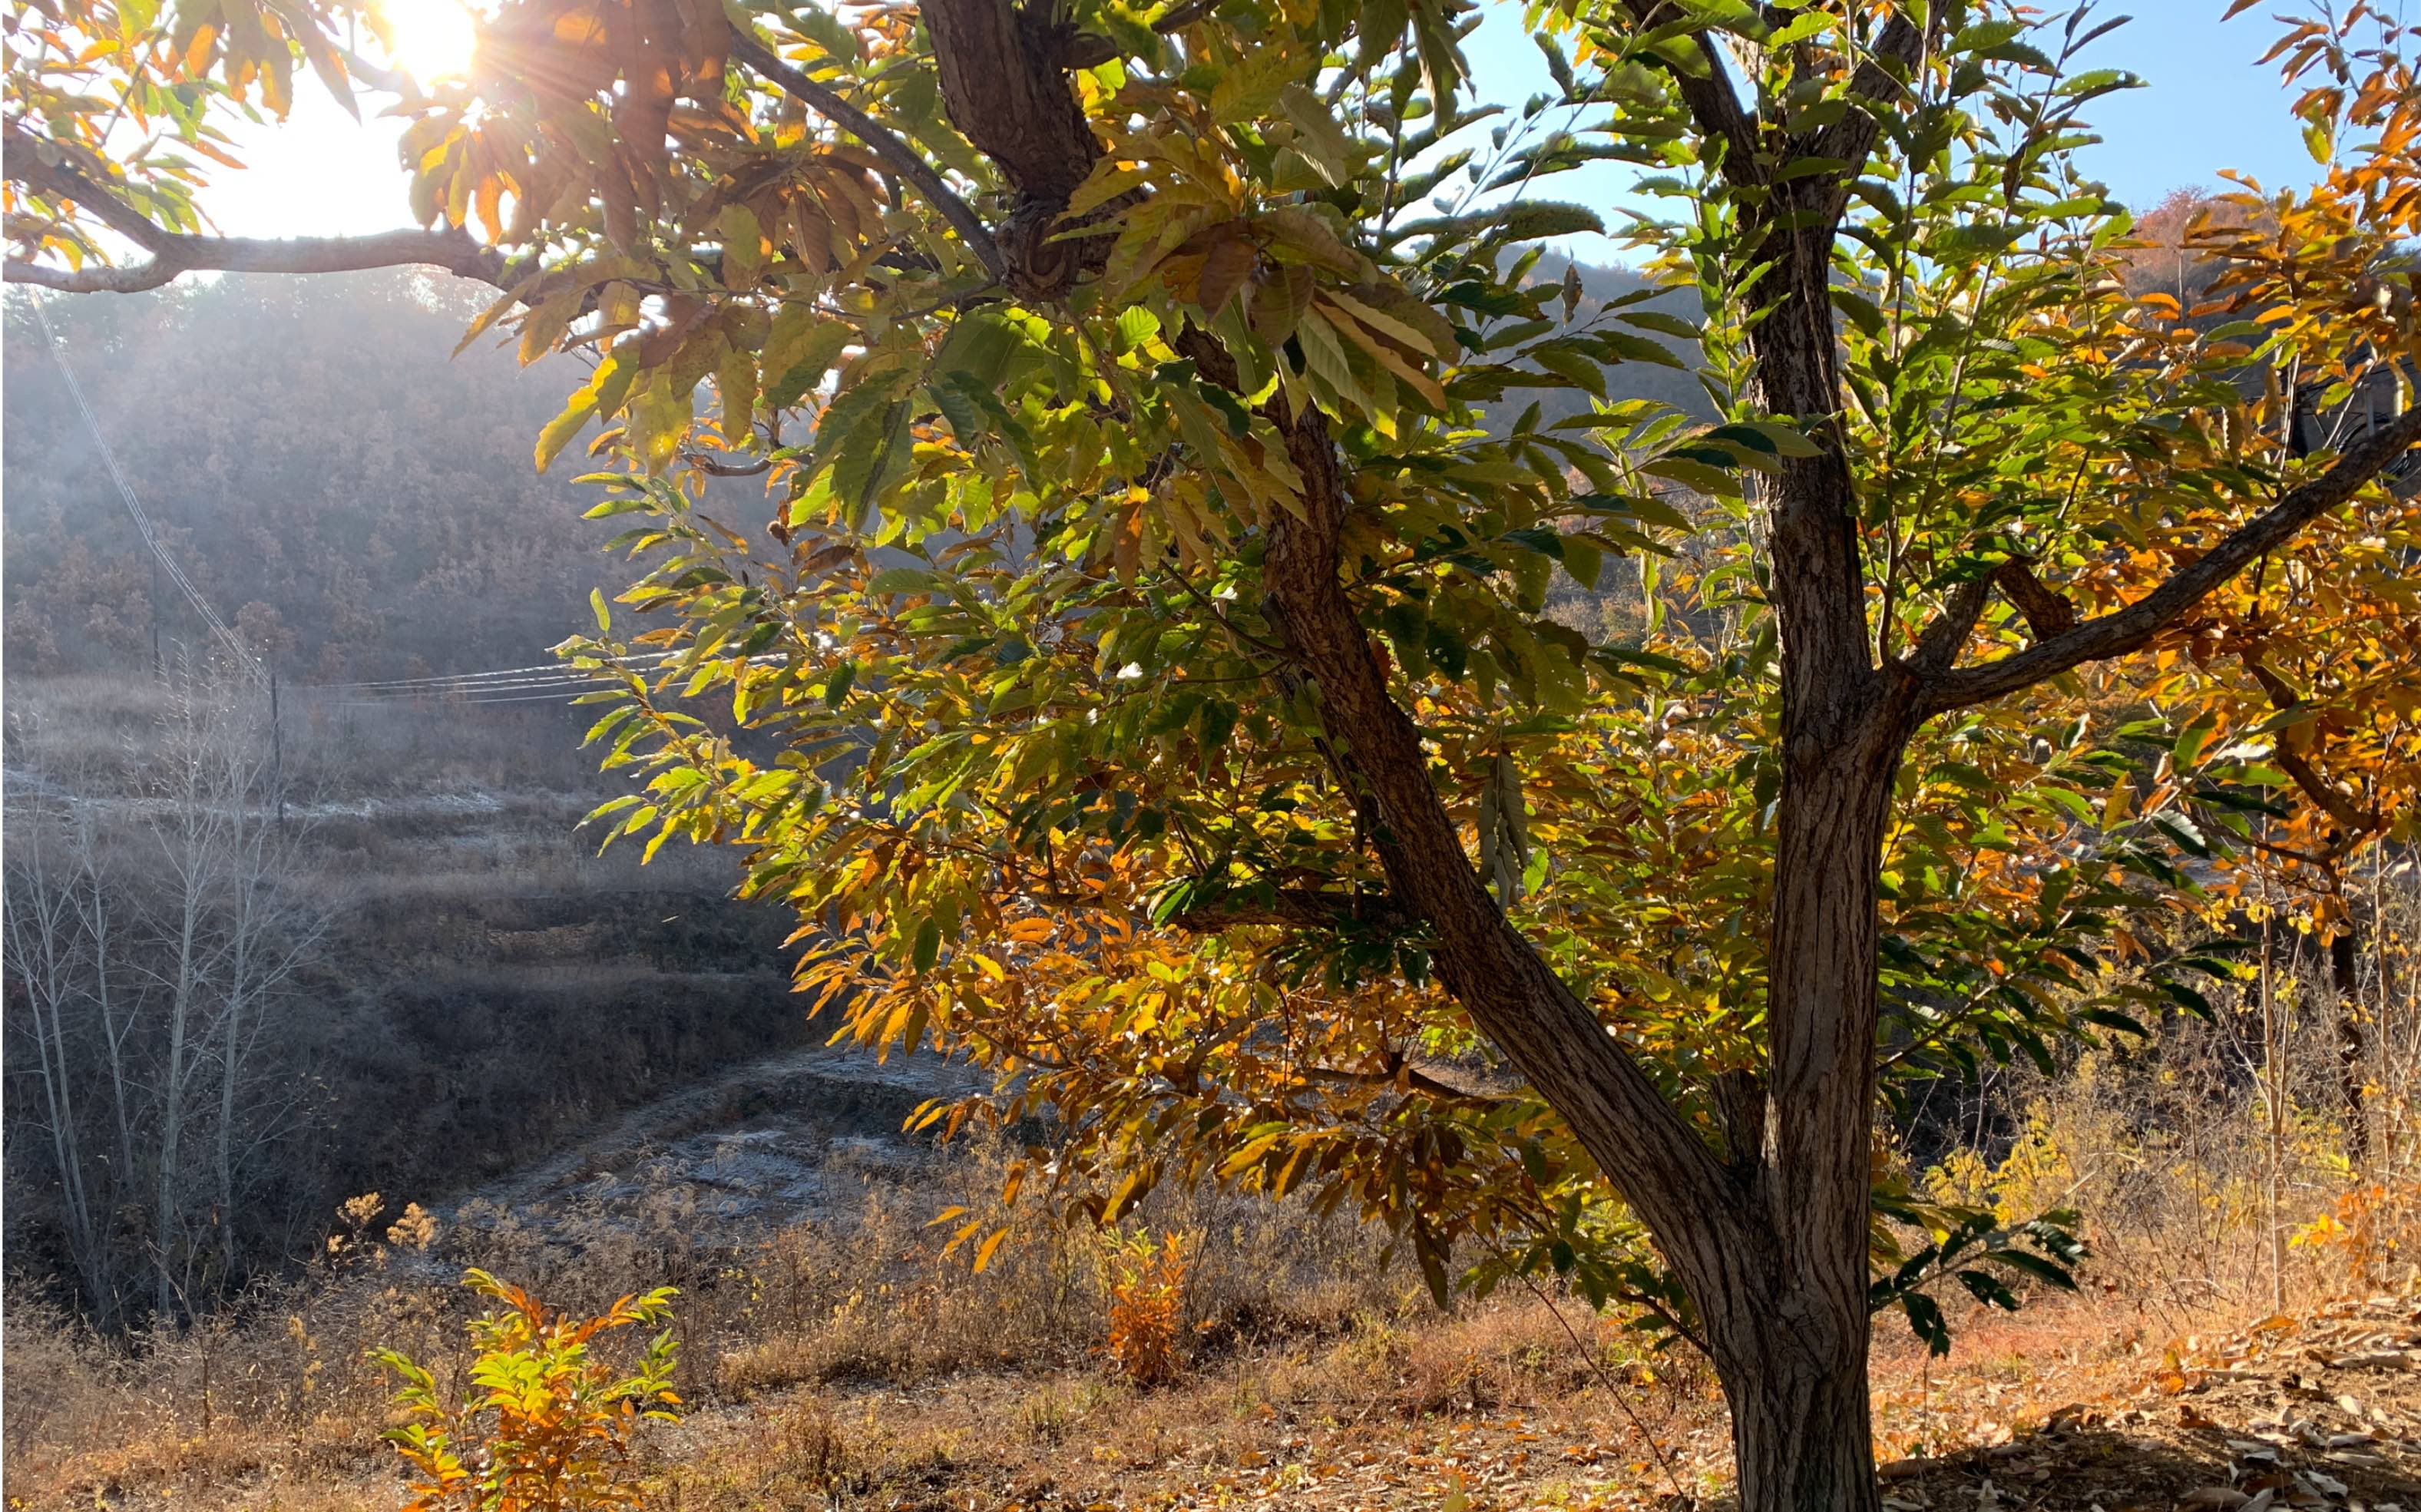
(315, 456)
(334, 476)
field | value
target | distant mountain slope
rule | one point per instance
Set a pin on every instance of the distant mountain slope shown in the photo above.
(1675, 386)
(313, 451)
(305, 445)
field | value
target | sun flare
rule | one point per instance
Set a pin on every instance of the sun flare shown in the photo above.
(433, 38)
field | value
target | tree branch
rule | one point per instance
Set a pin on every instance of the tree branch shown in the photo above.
(174, 253)
(1712, 101)
(1183, 16)
(2127, 630)
(715, 467)
(1653, 1157)
(2047, 611)
(1938, 646)
(747, 47)
(1404, 1076)
(41, 164)
(452, 250)
(1850, 138)
(1088, 50)
(2351, 820)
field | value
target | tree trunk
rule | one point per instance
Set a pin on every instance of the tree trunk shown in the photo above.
(1791, 1349)
(1801, 1436)
(2345, 976)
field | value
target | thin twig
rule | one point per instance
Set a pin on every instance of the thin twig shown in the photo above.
(750, 49)
(1621, 1398)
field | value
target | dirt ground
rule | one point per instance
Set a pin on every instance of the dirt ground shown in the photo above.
(2066, 1407)
(2316, 1411)
(2319, 1411)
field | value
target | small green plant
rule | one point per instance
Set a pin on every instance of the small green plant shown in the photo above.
(548, 1424)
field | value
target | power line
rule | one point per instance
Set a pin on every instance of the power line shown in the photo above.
(505, 685)
(244, 655)
(515, 698)
(645, 660)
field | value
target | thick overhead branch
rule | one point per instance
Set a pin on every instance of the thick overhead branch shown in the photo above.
(174, 253)
(1004, 77)
(1003, 73)
(903, 160)
(2127, 630)
(452, 250)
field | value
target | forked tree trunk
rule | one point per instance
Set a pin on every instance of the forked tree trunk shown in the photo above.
(1791, 1350)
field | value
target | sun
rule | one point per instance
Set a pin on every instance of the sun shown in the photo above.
(433, 38)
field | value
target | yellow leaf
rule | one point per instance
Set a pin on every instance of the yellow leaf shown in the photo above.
(984, 1251)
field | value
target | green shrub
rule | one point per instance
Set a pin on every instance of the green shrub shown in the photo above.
(549, 1422)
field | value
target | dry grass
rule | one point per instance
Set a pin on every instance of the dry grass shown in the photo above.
(848, 1364)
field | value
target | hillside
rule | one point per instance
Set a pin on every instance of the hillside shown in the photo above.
(478, 985)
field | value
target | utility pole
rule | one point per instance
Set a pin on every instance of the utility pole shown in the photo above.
(277, 748)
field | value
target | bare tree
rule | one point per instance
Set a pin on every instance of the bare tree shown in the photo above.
(154, 931)
(189, 819)
(269, 928)
(51, 958)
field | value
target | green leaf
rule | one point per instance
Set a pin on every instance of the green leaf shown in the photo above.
(1565, 363)
(557, 432)
(1925, 1317)
(1320, 138)
(1712, 482)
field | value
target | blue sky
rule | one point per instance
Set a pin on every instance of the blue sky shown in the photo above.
(2207, 108)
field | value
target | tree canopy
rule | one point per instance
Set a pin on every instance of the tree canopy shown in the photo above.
(1147, 688)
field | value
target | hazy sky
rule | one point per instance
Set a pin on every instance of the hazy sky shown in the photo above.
(2207, 108)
